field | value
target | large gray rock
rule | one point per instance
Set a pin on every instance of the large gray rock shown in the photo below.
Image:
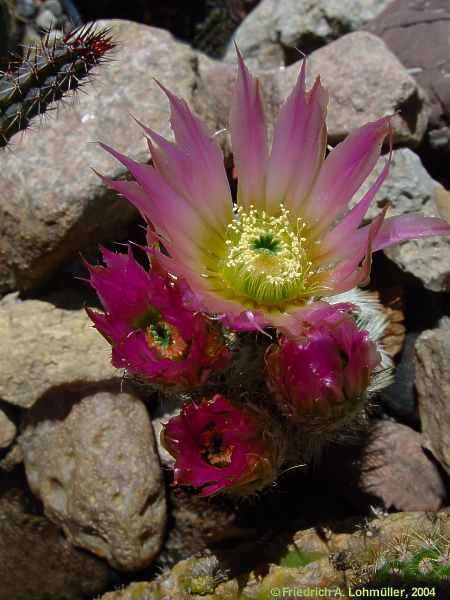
(272, 32)
(418, 32)
(51, 202)
(364, 79)
(44, 346)
(38, 563)
(433, 391)
(94, 466)
(410, 189)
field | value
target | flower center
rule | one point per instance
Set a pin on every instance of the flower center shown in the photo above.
(161, 335)
(213, 449)
(268, 257)
(166, 340)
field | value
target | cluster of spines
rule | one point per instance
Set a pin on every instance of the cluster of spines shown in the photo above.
(412, 560)
(47, 73)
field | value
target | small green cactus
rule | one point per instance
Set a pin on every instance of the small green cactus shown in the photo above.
(412, 560)
(46, 74)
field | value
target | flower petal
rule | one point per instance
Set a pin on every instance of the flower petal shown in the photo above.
(349, 274)
(293, 322)
(399, 229)
(406, 227)
(248, 137)
(167, 210)
(299, 145)
(350, 223)
(343, 172)
(197, 163)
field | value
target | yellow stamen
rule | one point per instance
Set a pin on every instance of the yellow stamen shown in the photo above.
(268, 257)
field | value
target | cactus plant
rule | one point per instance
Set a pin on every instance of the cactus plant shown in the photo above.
(46, 74)
(413, 559)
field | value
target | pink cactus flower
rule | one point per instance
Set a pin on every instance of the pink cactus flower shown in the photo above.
(290, 242)
(151, 332)
(220, 447)
(323, 372)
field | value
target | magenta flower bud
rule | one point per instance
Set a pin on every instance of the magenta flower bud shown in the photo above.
(324, 372)
(151, 331)
(220, 447)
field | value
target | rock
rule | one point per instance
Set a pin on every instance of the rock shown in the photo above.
(13, 457)
(409, 189)
(45, 346)
(397, 472)
(275, 29)
(165, 410)
(26, 8)
(399, 398)
(7, 430)
(376, 84)
(444, 322)
(390, 469)
(417, 31)
(394, 335)
(54, 6)
(94, 466)
(52, 203)
(433, 391)
(365, 82)
(38, 563)
(46, 19)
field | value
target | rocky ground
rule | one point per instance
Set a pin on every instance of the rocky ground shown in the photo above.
(71, 428)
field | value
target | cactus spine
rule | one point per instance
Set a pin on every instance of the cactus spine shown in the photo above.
(46, 74)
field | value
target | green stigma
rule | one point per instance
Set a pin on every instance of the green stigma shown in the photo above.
(160, 333)
(267, 257)
(266, 243)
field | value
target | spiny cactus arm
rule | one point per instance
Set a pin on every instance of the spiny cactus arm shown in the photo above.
(48, 73)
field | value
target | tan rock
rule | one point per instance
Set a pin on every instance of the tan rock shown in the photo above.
(44, 346)
(7, 430)
(433, 391)
(94, 466)
(365, 82)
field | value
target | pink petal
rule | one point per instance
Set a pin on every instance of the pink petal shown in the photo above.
(399, 229)
(343, 172)
(406, 227)
(349, 274)
(208, 181)
(312, 314)
(166, 209)
(299, 145)
(248, 137)
(350, 223)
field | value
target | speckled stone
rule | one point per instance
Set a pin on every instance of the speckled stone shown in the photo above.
(44, 346)
(93, 463)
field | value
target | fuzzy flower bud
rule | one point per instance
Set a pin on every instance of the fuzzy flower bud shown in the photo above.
(151, 331)
(220, 447)
(323, 372)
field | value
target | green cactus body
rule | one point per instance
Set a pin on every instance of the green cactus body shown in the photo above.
(47, 73)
